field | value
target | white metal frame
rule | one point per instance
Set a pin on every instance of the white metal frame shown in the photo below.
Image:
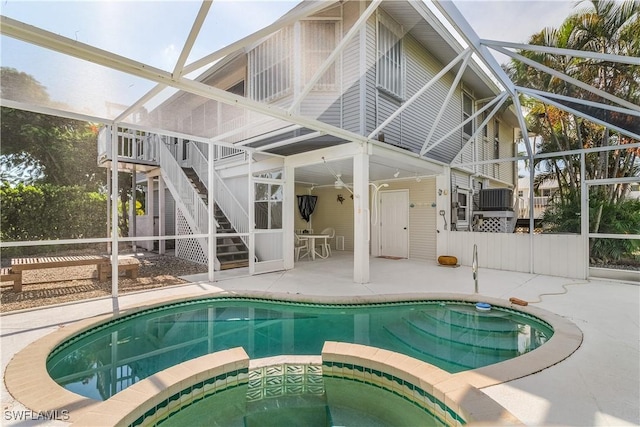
(176, 79)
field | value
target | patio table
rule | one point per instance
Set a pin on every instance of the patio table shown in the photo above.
(311, 238)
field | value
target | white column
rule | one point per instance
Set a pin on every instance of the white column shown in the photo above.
(212, 242)
(114, 211)
(288, 217)
(161, 215)
(361, 217)
(109, 209)
(150, 206)
(250, 212)
(584, 215)
(134, 211)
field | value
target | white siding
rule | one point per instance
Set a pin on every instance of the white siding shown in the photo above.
(510, 251)
(351, 117)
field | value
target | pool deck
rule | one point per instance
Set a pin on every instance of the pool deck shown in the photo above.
(598, 385)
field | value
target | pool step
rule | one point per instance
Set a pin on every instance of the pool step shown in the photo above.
(499, 340)
(468, 316)
(451, 355)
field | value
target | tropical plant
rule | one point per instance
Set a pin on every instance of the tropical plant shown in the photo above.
(606, 26)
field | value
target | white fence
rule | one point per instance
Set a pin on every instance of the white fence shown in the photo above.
(553, 254)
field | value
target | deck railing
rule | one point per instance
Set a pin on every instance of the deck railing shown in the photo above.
(133, 146)
(539, 206)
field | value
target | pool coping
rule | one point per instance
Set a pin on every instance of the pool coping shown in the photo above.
(27, 379)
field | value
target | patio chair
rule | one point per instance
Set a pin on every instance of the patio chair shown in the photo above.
(301, 247)
(326, 245)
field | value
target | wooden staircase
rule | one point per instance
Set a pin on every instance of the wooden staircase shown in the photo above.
(230, 250)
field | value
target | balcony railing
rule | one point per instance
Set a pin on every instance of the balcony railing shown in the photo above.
(540, 204)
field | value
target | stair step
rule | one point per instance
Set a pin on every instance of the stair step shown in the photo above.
(234, 253)
(227, 265)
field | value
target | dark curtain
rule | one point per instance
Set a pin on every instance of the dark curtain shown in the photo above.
(306, 205)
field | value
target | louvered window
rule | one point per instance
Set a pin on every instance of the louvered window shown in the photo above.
(270, 67)
(390, 75)
(319, 40)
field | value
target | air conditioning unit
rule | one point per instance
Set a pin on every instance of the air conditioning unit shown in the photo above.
(496, 199)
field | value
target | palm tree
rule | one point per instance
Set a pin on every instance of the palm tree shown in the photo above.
(605, 26)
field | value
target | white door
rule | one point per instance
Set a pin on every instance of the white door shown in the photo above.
(394, 223)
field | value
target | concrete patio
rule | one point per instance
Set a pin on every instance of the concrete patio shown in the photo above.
(598, 385)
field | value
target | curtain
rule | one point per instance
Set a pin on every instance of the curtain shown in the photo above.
(306, 205)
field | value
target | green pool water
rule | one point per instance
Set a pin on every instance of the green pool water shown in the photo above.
(452, 335)
(343, 403)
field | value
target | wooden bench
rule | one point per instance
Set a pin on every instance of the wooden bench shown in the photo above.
(7, 275)
(102, 263)
(130, 266)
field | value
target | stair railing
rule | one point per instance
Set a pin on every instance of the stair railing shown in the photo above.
(199, 163)
(224, 198)
(188, 199)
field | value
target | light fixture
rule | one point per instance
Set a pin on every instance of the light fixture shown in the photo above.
(338, 184)
(396, 174)
(418, 179)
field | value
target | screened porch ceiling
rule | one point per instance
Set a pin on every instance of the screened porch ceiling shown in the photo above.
(134, 66)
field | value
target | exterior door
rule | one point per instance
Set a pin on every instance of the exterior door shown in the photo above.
(394, 223)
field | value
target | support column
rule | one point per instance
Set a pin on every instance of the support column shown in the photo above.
(288, 217)
(211, 222)
(161, 216)
(109, 209)
(584, 215)
(361, 216)
(134, 212)
(150, 206)
(114, 211)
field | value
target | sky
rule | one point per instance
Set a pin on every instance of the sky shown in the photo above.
(153, 32)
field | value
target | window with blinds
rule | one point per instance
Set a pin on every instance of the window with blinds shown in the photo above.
(319, 40)
(270, 67)
(390, 60)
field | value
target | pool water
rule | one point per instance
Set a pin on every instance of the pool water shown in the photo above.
(343, 403)
(451, 335)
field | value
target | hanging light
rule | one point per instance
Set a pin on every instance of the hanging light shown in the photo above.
(338, 184)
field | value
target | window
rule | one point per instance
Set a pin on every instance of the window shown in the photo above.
(270, 67)
(319, 40)
(462, 206)
(485, 129)
(268, 206)
(390, 75)
(496, 139)
(467, 111)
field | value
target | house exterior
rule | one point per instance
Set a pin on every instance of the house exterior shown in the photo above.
(373, 93)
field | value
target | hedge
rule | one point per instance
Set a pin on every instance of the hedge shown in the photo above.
(51, 212)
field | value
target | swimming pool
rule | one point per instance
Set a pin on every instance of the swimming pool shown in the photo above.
(452, 335)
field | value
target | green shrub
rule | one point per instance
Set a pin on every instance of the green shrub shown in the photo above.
(622, 217)
(50, 212)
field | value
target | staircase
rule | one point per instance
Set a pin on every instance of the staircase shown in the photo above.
(231, 251)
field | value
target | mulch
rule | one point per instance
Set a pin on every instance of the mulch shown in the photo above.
(60, 285)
